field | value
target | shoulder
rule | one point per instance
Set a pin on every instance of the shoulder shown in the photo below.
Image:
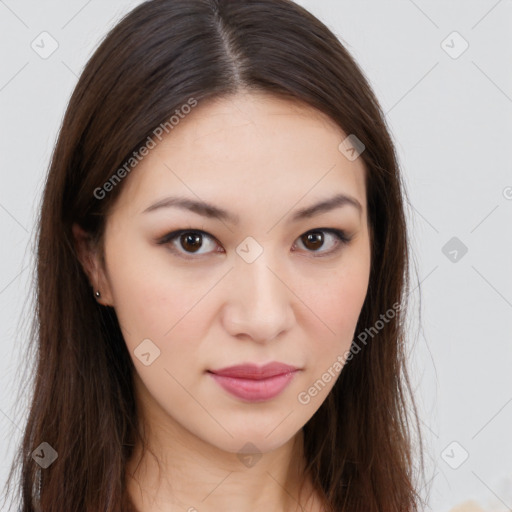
(467, 506)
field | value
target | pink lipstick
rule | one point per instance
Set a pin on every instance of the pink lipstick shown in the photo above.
(254, 383)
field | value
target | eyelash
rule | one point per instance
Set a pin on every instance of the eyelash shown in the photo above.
(343, 239)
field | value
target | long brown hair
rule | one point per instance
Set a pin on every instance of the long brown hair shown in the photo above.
(359, 447)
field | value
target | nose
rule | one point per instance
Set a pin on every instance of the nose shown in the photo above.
(260, 301)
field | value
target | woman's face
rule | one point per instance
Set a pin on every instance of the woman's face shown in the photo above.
(267, 280)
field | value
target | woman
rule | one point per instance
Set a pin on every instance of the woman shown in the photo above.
(222, 272)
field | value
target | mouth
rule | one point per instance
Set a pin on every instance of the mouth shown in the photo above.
(253, 383)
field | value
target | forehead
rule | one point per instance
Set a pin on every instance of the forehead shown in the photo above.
(247, 146)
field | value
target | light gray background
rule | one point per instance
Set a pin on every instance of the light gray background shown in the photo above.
(451, 119)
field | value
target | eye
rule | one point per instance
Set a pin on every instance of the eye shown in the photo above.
(315, 239)
(189, 241)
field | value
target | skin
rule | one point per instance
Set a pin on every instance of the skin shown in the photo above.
(261, 158)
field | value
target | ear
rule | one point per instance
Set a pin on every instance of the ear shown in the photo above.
(92, 265)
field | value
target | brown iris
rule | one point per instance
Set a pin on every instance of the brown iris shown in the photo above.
(191, 241)
(316, 238)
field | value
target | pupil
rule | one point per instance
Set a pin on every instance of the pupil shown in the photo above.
(315, 238)
(192, 239)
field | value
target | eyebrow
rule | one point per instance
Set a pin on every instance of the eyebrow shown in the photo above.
(211, 211)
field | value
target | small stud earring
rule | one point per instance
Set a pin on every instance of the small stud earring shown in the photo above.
(98, 295)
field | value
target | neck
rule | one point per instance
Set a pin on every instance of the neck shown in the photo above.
(178, 469)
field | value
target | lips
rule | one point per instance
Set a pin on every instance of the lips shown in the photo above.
(254, 372)
(253, 383)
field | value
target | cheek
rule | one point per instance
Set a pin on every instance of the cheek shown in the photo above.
(155, 304)
(335, 302)
(346, 301)
(336, 306)
(150, 296)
